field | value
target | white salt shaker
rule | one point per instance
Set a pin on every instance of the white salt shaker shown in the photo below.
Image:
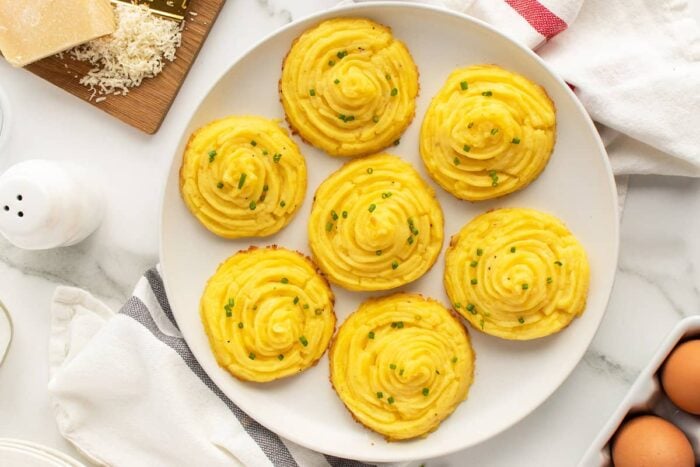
(47, 204)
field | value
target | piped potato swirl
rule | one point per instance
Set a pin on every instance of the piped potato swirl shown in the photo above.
(488, 132)
(401, 364)
(268, 314)
(349, 87)
(375, 224)
(517, 274)
(242, 176)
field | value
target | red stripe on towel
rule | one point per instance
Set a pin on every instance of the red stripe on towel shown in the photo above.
(544, 21)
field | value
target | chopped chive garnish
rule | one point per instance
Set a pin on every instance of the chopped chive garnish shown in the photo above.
(558, 263)
(331, 62)
(512, 249)
(253, 143)
(280, 357)
(296, 300)
(481, 323)
(253, 205)
(229, 307)
(401, 372)
(371, 335)
(473, 264)
(334, 215)
(410, 240)
(467, 148)
(240, 325)
(306, 306)
(454, 359)
(277, 157)
(394, 92)
(220, 185)
(394, 265)
(387, 76)
(345, 214)
(212, 155)
(251, 356)
(474, 281)
(265, 187)
(375, 119)
(337, 81)
(458, 305)
(390, 400)
(392, 366)
(342, 54)
(241, 180)
(471, 309)
(285, 280)
(521, 320)
(515, 141)
(378, 252)
(471, 124)
(282, 204)
(303, 341)
(370, 170)
(380, 394)
(456, 160)
(372, 207)
(526, 286)
(265, 153)
(479, 252)
(318, 311)
(487, 93)
(312, 92)
(464, 85)
(399, 324)
(329, 226)
(494, 131)
(386, 195)
(397, 142)
(549, 280)
(426, 391)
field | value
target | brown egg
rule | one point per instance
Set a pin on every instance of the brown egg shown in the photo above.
(651, 441)
(681, 376)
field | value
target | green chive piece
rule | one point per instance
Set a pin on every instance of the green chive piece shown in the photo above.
(454, 359)
(473, 264)
(312, 92)
(549, 280)
(390, 400)
(220, 185)
(337, 81)
(386, 195)
(280, 357)
(265, 187)
(512, 249)
(467, 148)
(375, 119)
(370, 170)
(487, 93)
(229, 307)
(401, 372)
(410, 240)
(372, 207)
(282, 204)
(342, 54)
(265, 153)
(240, 325)
(212, 155)
(331, 62)
(474, 281)
(277, 157)
(392, 366)
(458, 305)
(456, 160)
(399, 324)
(306, 306)
(371, 335)
(394, 265)
(471, 309)
(558, 263)
(397, 142)
(285, 280)
(380, 394)
(515, 141)
(494, 131)
(378, 252)
(329, 226)
(481, 323)
(388, 77)
(345, 214)
(394, 92)
(296, 300)
(318, 311)
(253, 143)
(349, 118)
(521, 320)
(525, 286)
(303, 341)
(334, 215)
(471, 124)
(479, 252)
(426, 391)
(241, 180)
(464, 85)
(252, 205)
(251, 356)
(228, 313)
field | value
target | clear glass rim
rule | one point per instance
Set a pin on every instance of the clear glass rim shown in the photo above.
(6, 315)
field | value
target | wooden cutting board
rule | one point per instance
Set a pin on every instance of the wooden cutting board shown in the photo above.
(145, 106)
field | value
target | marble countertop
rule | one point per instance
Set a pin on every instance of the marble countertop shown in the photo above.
(657, 283)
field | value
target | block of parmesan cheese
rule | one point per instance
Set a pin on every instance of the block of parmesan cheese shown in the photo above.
(33, 29)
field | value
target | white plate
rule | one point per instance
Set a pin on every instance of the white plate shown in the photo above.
(512, 378)
(15, 452)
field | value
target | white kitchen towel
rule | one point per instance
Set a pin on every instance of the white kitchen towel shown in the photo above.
(634, 64)
(127, 391)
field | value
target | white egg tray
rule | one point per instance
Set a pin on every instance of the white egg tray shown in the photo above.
(646, 396)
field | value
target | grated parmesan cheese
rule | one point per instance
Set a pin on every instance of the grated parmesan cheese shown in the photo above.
(137, 50)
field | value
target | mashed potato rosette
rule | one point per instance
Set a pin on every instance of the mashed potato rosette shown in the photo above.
(242, 176)
(375, 224)
(401, 364)
(517, 274)
(348, 87)
(487, 133)
(268, 314)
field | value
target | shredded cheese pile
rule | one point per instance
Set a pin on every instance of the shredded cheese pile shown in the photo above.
(137, 50)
